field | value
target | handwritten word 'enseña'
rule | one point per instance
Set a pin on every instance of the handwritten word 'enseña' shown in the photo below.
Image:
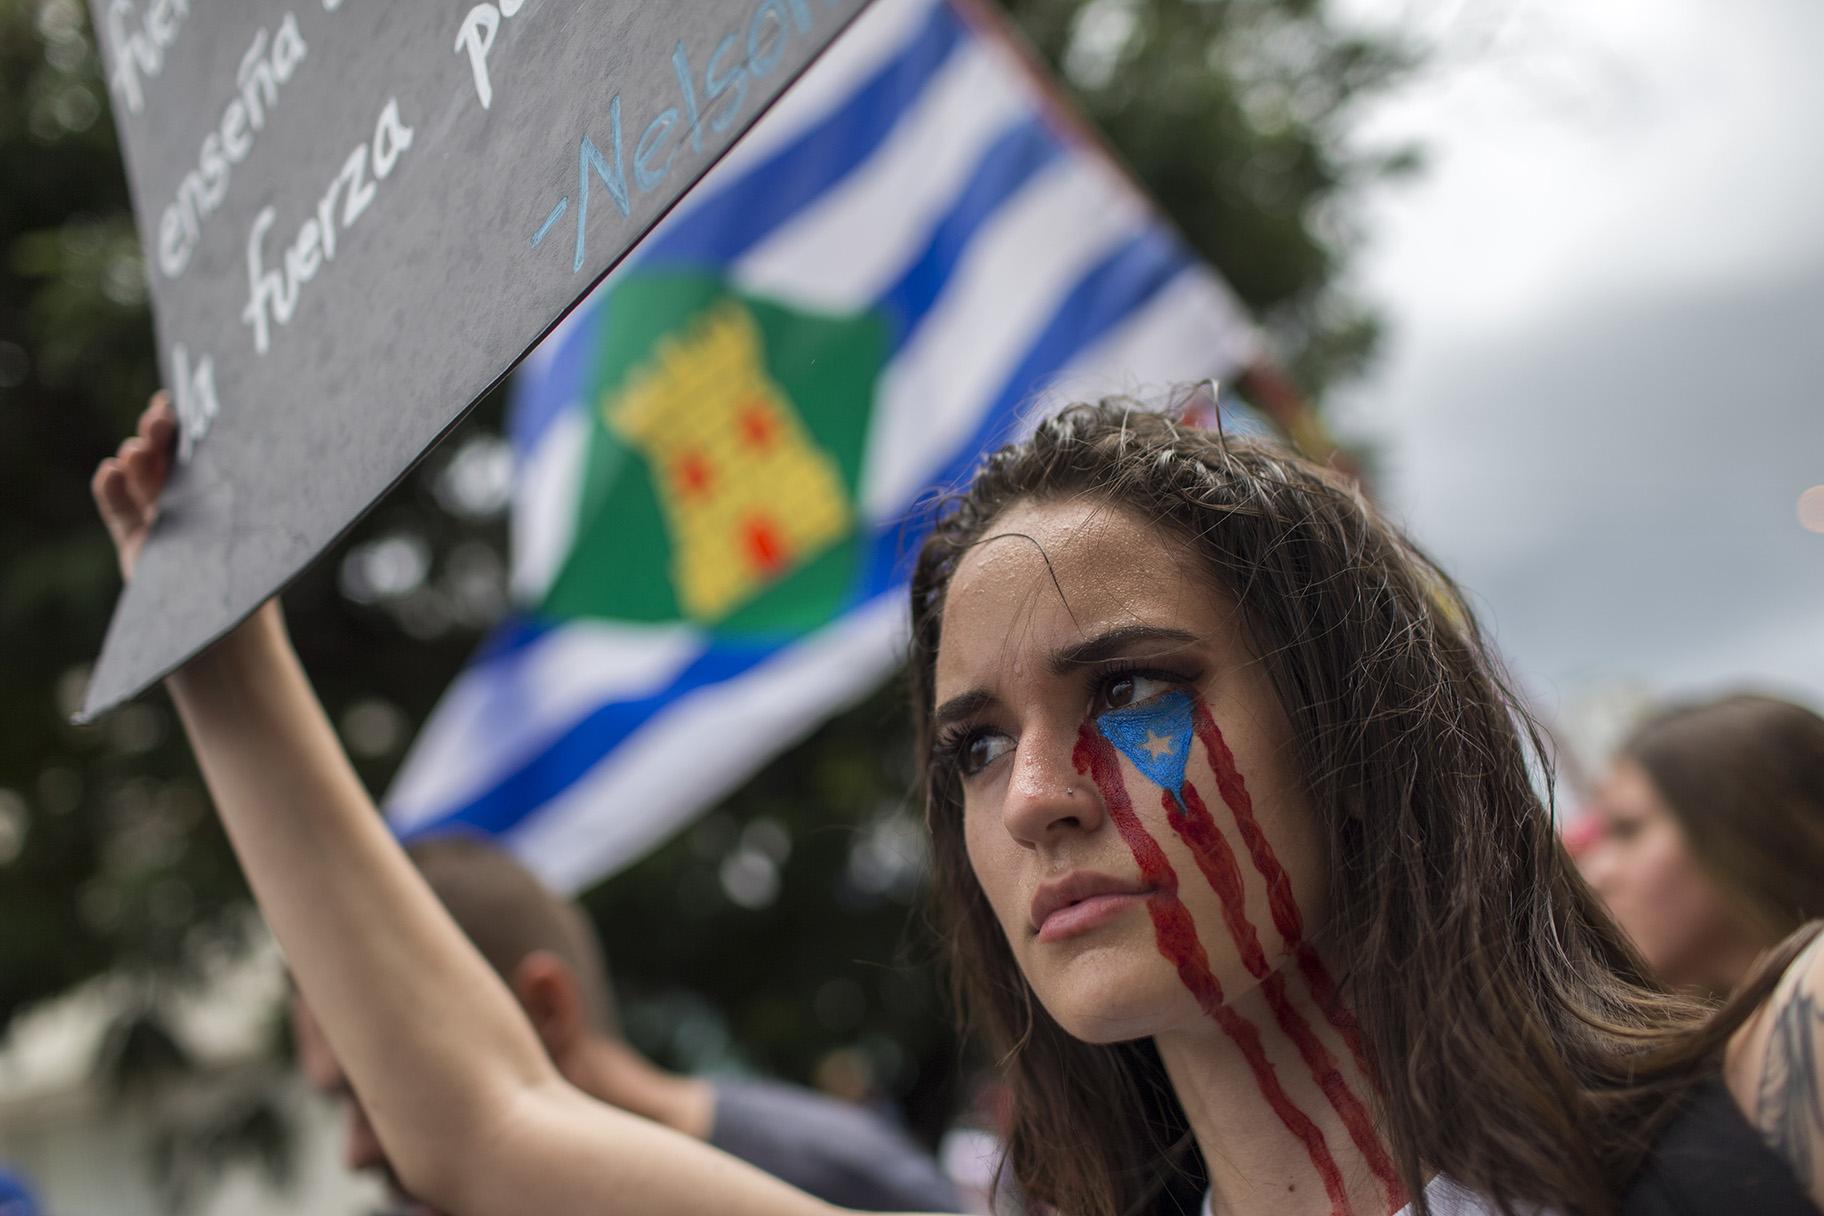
(770, 27)
(272, 295)
(268, 63)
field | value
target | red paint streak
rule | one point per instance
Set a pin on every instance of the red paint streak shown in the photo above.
(765, 547)
(1176, 935)
(1096, 756)
(1323, 991)
(1234, 791)
(1280, 900)
(1191, 819)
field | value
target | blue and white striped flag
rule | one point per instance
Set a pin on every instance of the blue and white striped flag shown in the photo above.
(719, 452)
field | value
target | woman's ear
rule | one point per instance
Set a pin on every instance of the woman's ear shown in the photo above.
(547, 990)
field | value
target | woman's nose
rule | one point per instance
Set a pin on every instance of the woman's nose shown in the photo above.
(1046, 794)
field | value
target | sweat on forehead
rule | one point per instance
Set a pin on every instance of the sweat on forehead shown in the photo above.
(1048, 575)
(1082, 557)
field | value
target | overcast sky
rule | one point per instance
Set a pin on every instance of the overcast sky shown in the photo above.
(1600, 399)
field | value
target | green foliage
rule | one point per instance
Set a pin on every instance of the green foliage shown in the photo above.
(109, 859)
(1232, 112)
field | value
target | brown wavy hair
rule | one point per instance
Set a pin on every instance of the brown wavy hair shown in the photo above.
(1521, 1045)
(1744, 776)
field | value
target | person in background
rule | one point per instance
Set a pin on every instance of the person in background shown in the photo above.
(549, 956)
(973, 1148)
(16, 1198)
(1711, 847)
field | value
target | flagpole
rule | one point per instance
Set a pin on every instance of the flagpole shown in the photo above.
(1272, 392)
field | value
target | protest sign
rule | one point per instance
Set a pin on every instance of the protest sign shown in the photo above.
(357, 216)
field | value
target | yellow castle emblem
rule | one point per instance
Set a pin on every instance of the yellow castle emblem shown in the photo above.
(747, 494)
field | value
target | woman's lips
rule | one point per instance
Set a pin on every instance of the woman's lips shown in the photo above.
(1088, 914)
(1080, 901)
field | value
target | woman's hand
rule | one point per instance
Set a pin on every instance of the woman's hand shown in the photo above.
(127, 484)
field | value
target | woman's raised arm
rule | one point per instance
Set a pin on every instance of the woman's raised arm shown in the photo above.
(472, 1113)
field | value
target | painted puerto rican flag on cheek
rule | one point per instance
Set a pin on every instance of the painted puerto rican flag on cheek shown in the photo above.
(1156, 738)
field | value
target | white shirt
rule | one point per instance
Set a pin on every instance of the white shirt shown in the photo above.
(1447, 1199)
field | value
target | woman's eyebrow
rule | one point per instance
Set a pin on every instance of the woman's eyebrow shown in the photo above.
(1123, 639)
(965, 705)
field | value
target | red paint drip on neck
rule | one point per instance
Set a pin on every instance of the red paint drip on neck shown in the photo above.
(1176, 935)
(1280, 900)
(1191, 819)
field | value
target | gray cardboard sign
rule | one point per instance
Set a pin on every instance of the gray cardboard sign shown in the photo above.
(358, 215)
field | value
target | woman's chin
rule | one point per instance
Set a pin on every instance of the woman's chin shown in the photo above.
(1111, 996)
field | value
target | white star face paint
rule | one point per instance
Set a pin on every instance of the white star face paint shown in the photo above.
(1158, 746)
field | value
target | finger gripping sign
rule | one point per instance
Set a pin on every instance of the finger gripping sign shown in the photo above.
(358, 215)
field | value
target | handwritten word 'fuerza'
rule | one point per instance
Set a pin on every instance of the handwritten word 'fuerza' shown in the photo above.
(267, 64)
(272, 295)
(770, 27)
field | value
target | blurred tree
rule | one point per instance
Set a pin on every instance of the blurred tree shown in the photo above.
(778, 923)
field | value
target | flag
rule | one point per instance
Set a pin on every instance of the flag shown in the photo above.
(722, 452)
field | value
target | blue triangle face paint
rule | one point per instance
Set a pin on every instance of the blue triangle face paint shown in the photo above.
(1156, 736)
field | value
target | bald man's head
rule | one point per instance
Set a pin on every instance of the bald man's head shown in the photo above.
(510, 915)
(541, 946)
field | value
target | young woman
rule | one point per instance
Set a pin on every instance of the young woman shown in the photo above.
(1712, 844)
(1243, 874)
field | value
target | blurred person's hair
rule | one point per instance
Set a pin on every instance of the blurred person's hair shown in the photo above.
(1744, 777)
(1521, 1046)
(509, 914)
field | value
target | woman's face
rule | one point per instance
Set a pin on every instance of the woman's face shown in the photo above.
(1129, 792)
(1643, 868)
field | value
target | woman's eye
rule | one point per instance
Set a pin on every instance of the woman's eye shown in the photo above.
(1621, 829)
(981, 750)
(1134, 688)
